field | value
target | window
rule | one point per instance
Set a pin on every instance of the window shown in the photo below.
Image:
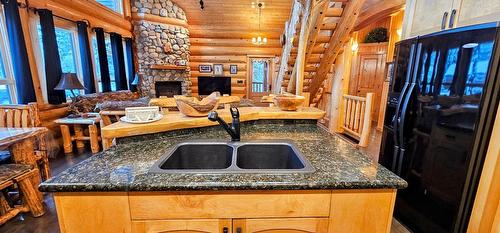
(115, 5)
(110, 62)
(7, 82)
(69, 53)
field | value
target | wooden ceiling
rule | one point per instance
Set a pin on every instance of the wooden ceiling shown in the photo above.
(235, 18)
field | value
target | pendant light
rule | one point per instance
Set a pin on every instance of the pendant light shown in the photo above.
(259, 40)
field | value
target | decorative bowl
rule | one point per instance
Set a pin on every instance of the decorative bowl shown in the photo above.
(288, 102)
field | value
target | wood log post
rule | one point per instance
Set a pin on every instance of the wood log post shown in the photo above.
(365, 132)
(31, 196)
(94, 138)
(66, 135)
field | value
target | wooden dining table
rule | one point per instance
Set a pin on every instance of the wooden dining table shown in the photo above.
(21, 144)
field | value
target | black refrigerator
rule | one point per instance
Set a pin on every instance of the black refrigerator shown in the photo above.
(442, 102)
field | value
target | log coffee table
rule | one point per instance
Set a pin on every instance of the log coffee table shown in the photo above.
(78, 129)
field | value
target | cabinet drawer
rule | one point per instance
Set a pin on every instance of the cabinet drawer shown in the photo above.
(241, 204)
(195, 225)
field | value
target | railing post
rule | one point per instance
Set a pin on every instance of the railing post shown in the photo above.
(365, 131)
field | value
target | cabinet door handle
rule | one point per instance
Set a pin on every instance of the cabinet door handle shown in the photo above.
(452, 18)
(225, 230)
(443, 21)
(238, 230)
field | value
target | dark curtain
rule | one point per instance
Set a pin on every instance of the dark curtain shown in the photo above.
(51, 56)
(20, 62)
(118, 61)
(86, 57)
(103, 59)
(130, 63)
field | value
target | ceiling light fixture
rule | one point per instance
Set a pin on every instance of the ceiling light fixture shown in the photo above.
(259, 40)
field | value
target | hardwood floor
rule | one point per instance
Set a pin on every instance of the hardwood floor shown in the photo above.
(25, 223)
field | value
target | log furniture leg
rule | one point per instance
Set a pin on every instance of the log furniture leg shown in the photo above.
(31, 195)
(66, 135)
(43, 156)
(106, 143)
(79, 137)
(94, 139)
(23, 152)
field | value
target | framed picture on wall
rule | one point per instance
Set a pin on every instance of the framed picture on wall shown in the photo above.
(233, 69)
(205, 68)
(218, 69)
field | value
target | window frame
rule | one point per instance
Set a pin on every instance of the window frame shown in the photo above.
(95, 58)
(9, 80)
(39, 57)
(119, 4)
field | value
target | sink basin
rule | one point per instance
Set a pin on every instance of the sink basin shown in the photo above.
(199, 156)
(266, 157)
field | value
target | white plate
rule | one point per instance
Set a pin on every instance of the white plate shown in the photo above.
(157, 118)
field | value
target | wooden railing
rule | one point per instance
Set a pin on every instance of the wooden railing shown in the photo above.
(356, 117)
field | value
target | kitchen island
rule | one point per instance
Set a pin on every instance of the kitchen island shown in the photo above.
(115, 192)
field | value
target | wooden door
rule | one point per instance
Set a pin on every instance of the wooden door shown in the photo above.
(283, 225)
(259, 78)
(183, 226)
(428, 16)
(369, 73)
(477, 11)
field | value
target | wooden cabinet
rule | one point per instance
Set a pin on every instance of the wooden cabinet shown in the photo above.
(183, 226)
(290, 211)
(427, 16)
(478, 11)
(290, 225)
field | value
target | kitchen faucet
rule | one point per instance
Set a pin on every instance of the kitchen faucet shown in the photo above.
(234, 129)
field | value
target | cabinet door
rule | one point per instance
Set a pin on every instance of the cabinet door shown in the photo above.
(478, 11)
(288, 225)
(183, 226)
(428, 16)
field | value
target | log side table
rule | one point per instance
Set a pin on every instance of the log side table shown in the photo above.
(78, 129)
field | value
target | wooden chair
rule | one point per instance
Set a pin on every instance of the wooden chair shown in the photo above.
(21, 175)
(25, 116)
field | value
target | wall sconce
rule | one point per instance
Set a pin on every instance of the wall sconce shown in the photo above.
(354, 46)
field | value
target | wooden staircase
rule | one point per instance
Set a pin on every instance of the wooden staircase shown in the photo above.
(321, 30)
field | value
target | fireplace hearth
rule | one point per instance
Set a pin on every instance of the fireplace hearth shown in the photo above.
(168, 88)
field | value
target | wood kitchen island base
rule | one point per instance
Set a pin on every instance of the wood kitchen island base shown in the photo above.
(354, 210)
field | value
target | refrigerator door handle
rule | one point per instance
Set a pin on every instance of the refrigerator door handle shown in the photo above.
(395, 120)
(404, 109)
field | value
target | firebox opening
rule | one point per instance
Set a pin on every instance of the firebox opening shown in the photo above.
(168, 88)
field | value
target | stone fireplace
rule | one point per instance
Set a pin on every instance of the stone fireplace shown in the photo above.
(160, 46)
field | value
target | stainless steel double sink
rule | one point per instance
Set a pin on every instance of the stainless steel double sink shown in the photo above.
(258, 156)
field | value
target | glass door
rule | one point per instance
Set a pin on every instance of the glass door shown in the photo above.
(259, 78)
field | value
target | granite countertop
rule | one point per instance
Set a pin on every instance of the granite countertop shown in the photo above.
(124, 167)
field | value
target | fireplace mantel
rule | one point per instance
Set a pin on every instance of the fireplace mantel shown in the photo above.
(168, 67)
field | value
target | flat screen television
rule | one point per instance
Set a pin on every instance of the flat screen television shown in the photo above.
(207, 85)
